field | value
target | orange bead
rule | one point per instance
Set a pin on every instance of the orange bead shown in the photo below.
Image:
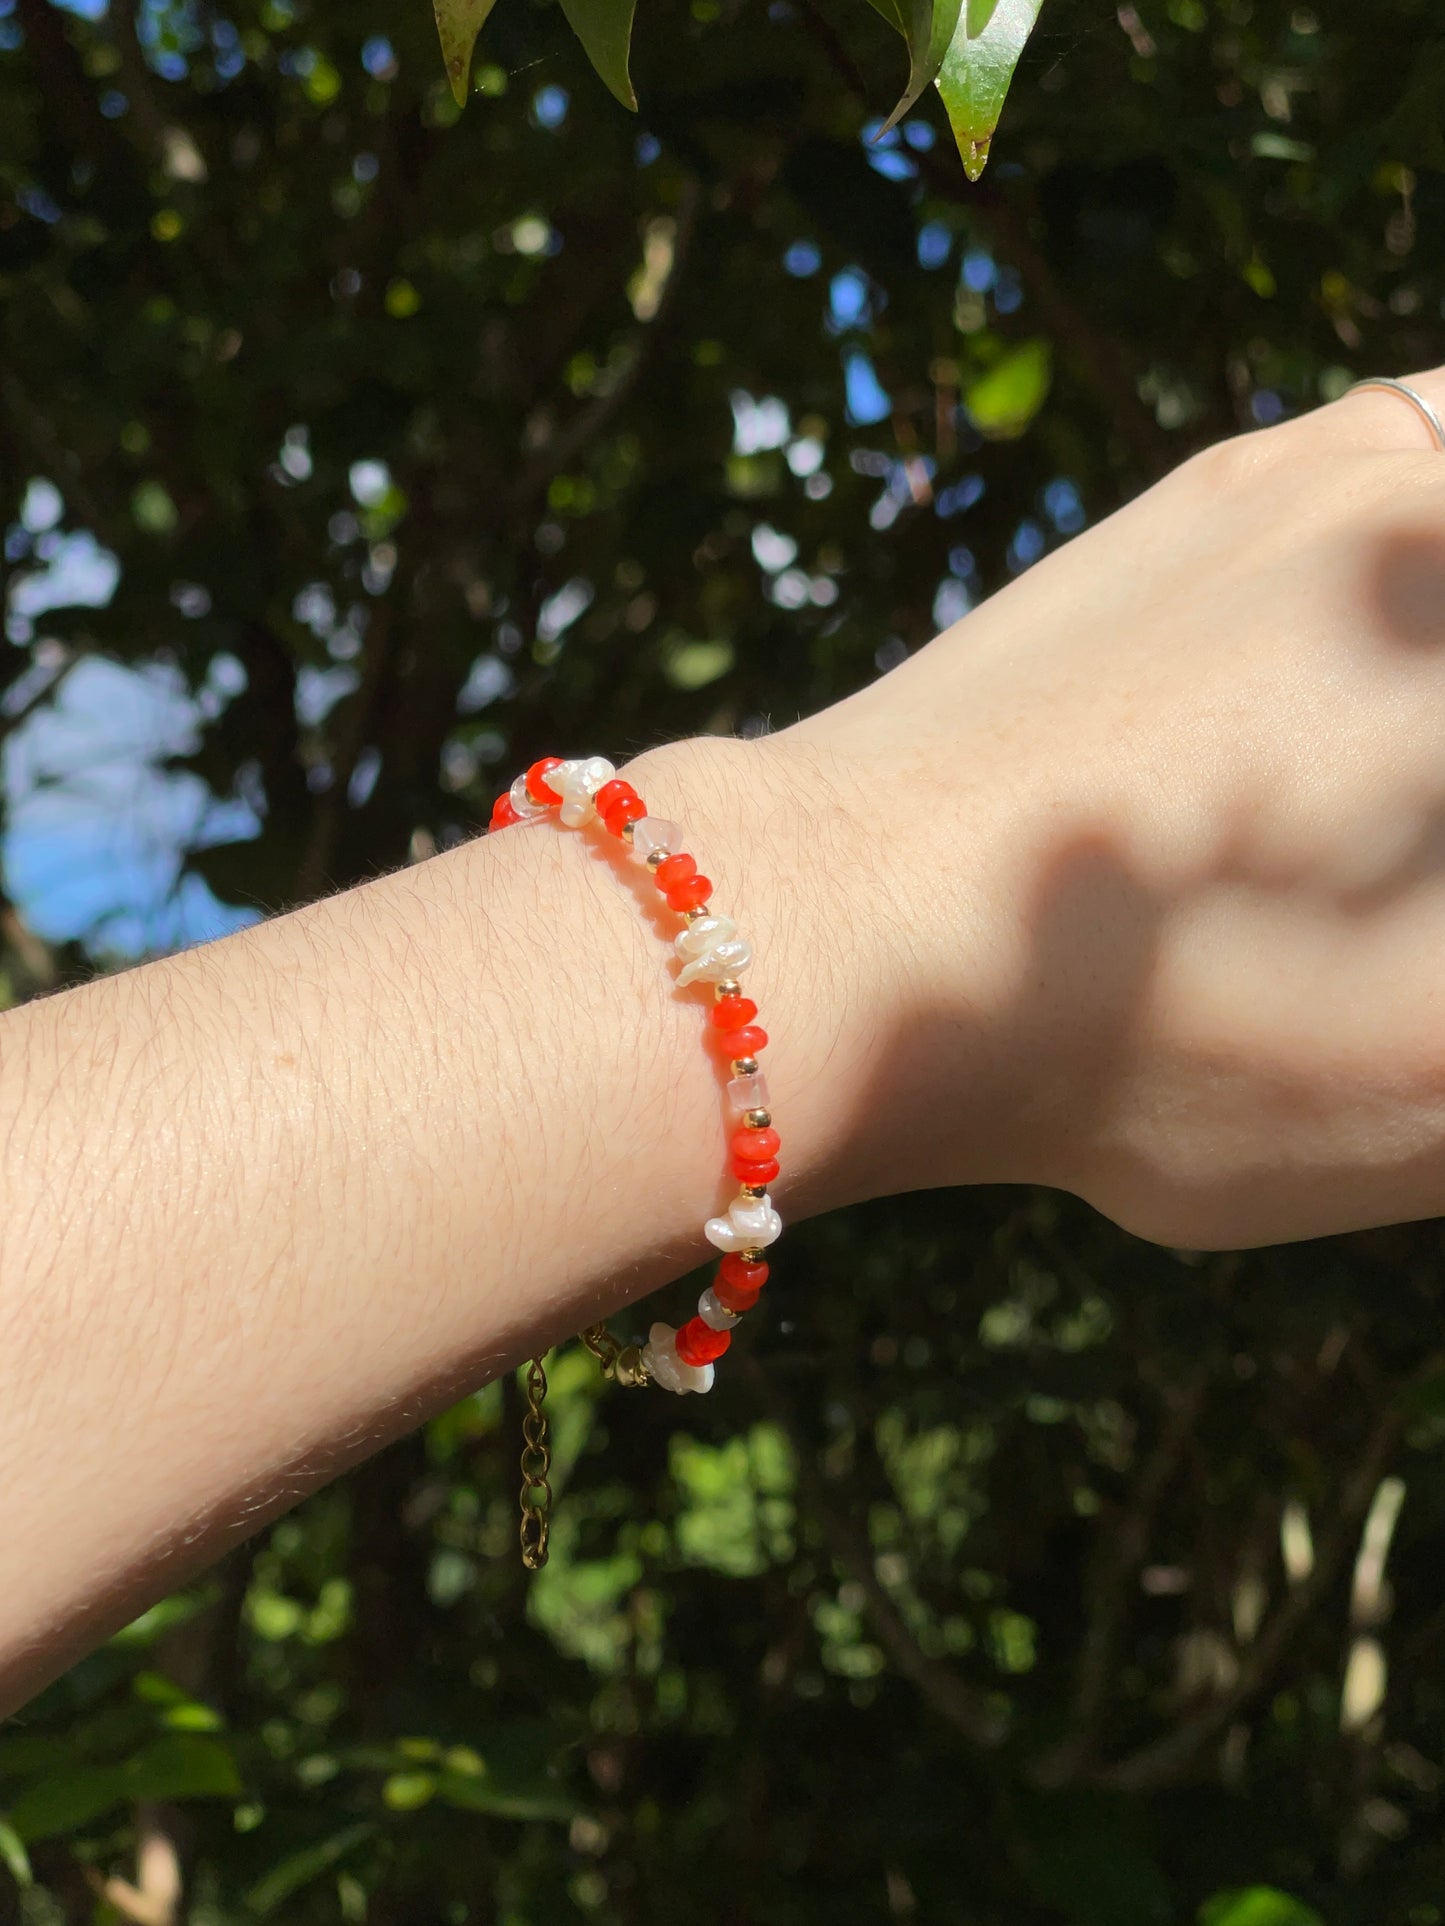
(739, 1281)
(747, 1041)
(503, 814)
(743, 1273)
(673, 870)
(749, 1173)
(611, 792)
(732, 1012)
(734, 1297)
(629, 810)
(536, 783)
(755, 1145)
(690, 895)
(698, 1343)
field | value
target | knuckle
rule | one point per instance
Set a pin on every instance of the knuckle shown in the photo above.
(1231, 466)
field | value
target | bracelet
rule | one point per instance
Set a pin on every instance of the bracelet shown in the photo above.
(578, 793)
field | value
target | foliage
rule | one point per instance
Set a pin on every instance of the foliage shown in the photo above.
(967, 51)
(1019, 1583)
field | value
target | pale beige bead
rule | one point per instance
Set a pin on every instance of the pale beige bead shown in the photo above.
(750, 1223)
(659, 1354)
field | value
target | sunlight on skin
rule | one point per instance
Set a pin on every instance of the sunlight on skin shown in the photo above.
(1108, 888)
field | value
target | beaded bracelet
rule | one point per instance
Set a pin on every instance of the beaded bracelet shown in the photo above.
(587, 790)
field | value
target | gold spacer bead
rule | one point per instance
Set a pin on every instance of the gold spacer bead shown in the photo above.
(696, 915)
(630, 1367)
(627, 832)
(728, 987)
(755, 1190)
(745, 1066)
(656, 858)
(753, 1257)
(758, 1119)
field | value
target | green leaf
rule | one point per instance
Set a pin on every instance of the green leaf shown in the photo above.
(513, 1781)
(458, 24)
(182, 1766)
(977, 68)
(13, 1852)
(178, 1709)
(408, 1791)
(1002, 402)
(302, 1867)
(162, 1617)
(929, 27)
(605, 29)
(67, 1801)
(153, 509)
(1257, 1906)
(473, 1794)
(692, 665)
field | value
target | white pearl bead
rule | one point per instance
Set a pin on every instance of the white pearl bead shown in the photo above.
(662, 1361)
(522, 802)
(715, 1315)
(577, 782)
(711, 949)
(703, 935)
(751, 1224)
(659, 1354)
(747, 1093)
(650, 833)
(730, 958)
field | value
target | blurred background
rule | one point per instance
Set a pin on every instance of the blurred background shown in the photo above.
(352, 454)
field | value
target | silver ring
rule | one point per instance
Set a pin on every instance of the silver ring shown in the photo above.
(1417, 401)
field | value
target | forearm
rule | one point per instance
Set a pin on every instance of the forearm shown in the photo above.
(272, 1201)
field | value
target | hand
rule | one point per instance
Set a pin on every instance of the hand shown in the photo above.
(1146, 857)
(1130, 884)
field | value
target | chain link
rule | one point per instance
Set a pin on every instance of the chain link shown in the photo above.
(623, 1364)
(536, 1463)
(603, 1346)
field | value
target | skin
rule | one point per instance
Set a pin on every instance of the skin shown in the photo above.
(1133, 883)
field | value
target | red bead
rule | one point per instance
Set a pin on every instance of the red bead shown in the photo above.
(503, 814)
(755, 1173)
(699, 1343)
(690, 895)
(673, 870)
(732, 1012)
(622, 813)
(733, 1297)
(755, 1145)
(743, 1273)
(615, 791)
(747, 1041)
(537, 787)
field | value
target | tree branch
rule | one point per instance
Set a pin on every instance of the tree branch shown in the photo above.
(968, 1710)
(352, 736)
(1109, 1606)
(1164, 1761)
(584, 428)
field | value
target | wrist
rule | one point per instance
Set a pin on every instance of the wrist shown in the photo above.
(785, 845)
(892, 1066)
(937, 848)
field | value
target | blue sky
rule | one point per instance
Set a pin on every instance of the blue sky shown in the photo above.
(96, 828)
(95, 824)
